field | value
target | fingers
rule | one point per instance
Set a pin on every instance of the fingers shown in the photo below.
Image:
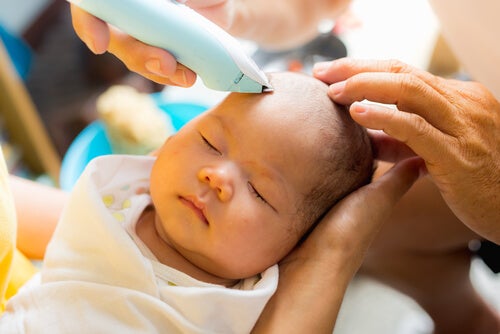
(92, 31)
(151, 62)
(368, 208)
(387, 190)
(344, 68)
(352, 224)
(388, 149)
(390, 82)
(410, 129)
(408, 92)
(426, 121)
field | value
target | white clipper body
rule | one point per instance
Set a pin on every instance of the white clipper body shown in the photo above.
(193, 40)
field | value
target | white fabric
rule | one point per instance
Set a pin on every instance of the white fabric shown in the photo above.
(472, 29)
(96, 279)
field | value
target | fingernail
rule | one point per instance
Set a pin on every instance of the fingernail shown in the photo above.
(337, 88)
(358, 108)
(180, 77)
(321, 67)
(154, 66)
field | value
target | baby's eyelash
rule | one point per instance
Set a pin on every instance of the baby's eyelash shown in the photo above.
(256, 193)
(212, 147)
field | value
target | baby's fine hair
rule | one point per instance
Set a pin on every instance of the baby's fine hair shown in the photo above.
(343, 152)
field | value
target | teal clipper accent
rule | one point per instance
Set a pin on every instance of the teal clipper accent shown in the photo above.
(192, 39)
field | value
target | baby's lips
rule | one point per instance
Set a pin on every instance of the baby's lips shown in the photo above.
(196, 206)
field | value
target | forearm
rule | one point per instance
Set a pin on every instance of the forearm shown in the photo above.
(282, 24)
(38, 208)
(308, 297)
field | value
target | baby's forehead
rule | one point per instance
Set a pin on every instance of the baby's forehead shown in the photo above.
(298, 112)
(289, 86)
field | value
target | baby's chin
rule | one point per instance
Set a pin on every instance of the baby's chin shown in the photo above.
(233, 272)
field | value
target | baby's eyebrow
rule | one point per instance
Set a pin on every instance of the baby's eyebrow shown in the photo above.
(280, 192)
(225, 129)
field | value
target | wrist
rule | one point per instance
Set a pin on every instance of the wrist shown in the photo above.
(301, 297)
(323, 264)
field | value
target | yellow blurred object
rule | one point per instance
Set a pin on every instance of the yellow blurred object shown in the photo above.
(7, 231)
(22, 271)
(15, 268)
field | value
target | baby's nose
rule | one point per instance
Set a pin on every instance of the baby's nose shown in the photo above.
(220, 178)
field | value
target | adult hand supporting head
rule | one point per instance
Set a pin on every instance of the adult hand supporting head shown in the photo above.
(153, 63)
(453, 125)
(314, 277)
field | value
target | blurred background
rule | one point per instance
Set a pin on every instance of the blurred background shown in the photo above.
(63, 78)
(49, 83)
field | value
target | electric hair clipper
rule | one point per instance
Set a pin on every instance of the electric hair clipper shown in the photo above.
(193, 40)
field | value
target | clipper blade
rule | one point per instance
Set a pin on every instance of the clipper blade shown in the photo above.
(267, 89)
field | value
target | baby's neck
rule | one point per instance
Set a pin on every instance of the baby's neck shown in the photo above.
(168, 255)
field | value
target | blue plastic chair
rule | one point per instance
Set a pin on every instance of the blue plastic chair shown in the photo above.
(19, 52)
(93, 141)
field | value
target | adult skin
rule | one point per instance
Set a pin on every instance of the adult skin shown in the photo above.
(314, 277)
(460, 138)
(453, 125)
(38, 208)
(329, 256)
(254, 20)
(422, 251)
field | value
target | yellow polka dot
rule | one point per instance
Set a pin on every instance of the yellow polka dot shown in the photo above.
(108, 200)
(126, 204)
(171, 283)
(118, 216)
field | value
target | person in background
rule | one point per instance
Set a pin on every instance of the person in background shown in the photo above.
(459, 140)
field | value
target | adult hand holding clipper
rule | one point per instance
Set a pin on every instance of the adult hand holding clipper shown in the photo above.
(189, 39)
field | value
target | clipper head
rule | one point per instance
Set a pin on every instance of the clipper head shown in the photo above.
(267, 89)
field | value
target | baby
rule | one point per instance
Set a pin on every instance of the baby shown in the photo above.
(188, 241)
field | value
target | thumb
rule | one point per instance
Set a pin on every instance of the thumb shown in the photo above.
(359, 216)
(387, 148)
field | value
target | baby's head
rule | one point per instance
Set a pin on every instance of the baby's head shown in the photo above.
(236, 188)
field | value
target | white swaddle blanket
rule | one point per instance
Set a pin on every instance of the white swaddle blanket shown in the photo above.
(96, 279)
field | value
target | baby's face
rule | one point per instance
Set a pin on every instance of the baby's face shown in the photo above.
(228, 185)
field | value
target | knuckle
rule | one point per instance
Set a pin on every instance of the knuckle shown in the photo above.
(409, 85)
(420, 126)
(411, 82)
(432, 80)
(397, 66)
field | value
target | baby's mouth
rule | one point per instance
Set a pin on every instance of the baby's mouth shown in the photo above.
(196, 206)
